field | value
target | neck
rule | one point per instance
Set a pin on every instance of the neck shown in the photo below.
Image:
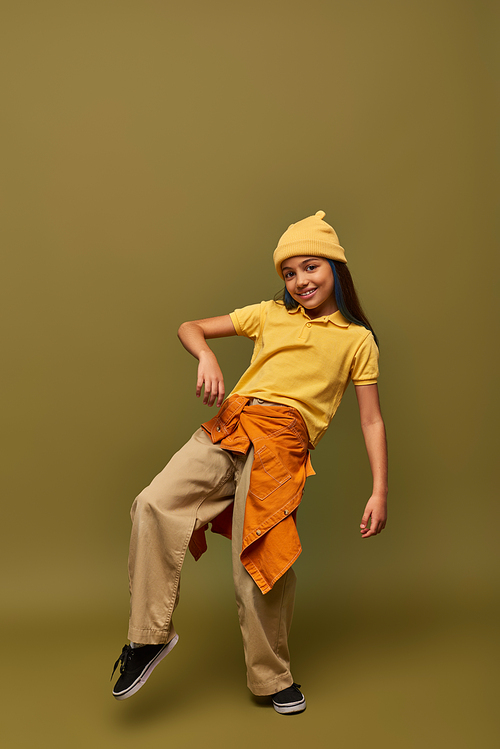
(322, 311)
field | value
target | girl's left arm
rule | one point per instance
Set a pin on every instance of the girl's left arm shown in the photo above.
(372, 425)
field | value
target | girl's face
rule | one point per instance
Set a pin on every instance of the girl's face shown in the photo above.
(309, 280)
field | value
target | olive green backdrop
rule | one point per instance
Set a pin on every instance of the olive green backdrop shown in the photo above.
(152, 154)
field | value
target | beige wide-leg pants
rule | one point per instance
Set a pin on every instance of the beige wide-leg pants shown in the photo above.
(198, 483)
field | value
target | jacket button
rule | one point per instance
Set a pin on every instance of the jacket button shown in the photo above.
(286, 512)
(218, 429)
(258, 533)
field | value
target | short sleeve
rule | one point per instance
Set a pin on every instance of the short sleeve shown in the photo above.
(364, 370)
(247, 320)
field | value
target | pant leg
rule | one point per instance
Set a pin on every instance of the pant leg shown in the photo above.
(196, 485)
(265, 620)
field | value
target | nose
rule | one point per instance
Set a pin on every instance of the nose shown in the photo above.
(300, 280)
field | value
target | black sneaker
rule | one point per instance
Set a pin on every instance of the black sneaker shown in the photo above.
(289, 700)
(136, 665)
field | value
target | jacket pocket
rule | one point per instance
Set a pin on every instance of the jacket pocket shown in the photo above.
(268, 473)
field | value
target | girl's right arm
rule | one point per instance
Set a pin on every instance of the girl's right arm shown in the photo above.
(193, 336)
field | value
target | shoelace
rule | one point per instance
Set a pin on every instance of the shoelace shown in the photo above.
(124, 657)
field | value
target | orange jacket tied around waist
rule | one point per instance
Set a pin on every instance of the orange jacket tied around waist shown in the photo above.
(280, 467)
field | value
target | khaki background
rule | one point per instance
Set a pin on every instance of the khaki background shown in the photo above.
(152, 154)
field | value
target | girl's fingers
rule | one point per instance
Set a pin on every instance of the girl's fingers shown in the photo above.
(214, 391)
(220, 397)
(208, 394)
(203, 382)
(375, 527)
(364, 520)
(199, 382)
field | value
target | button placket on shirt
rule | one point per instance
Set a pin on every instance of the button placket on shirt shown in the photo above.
(304, 331)
(306, 328)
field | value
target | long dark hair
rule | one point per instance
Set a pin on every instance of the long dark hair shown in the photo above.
(345, 296)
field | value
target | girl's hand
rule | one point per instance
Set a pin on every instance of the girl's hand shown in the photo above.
(210, 375)
(193, 336)
(376, 514)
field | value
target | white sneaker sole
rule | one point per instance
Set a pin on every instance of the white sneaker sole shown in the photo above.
(142, 678)
(291, 707)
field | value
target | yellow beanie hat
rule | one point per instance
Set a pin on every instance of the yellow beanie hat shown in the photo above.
(311, 236)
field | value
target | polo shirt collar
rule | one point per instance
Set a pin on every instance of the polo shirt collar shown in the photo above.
(336, 318)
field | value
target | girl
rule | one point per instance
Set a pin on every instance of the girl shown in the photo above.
(244, 470)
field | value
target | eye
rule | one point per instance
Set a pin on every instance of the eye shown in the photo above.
(311, 267)
(288, 274)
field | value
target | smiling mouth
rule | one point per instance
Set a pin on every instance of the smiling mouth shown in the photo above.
(307, 293)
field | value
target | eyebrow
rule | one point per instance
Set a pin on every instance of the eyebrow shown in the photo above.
(304, 262)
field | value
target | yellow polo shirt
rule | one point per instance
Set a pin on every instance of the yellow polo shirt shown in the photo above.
(304, 363)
